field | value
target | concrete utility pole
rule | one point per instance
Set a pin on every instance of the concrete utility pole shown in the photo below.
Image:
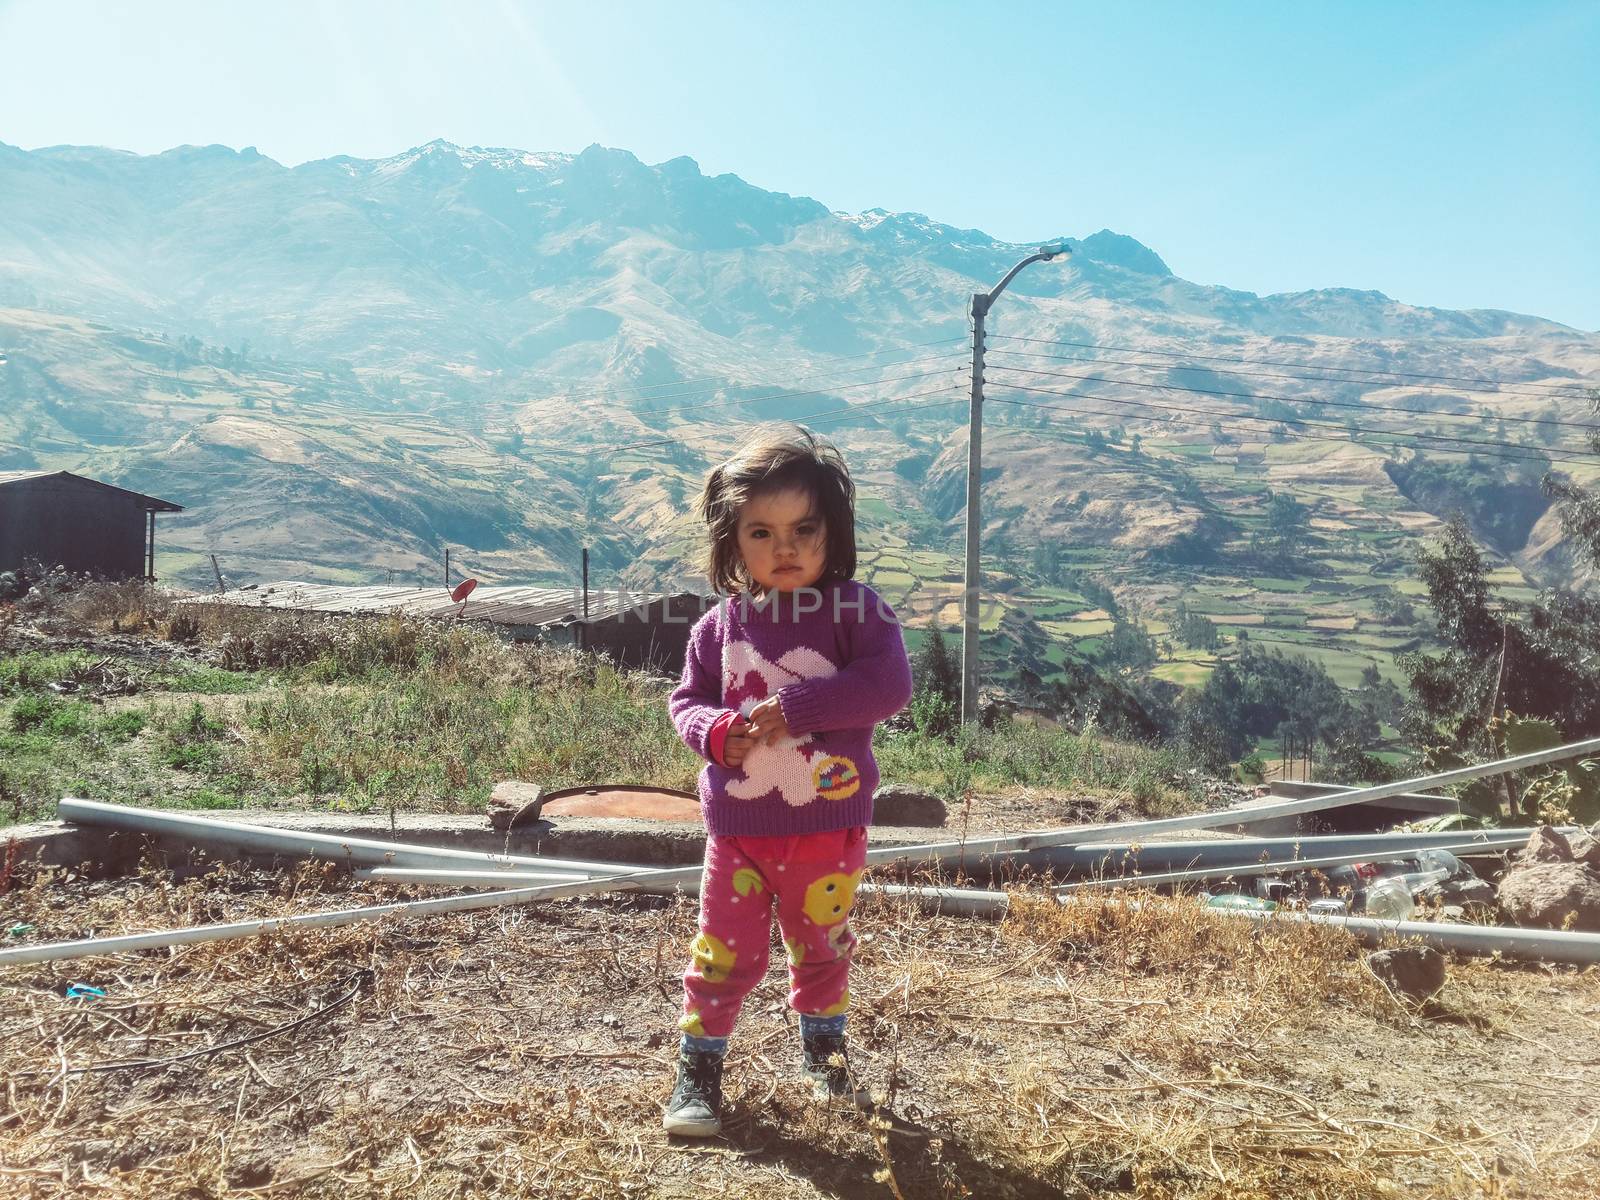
(982, 302)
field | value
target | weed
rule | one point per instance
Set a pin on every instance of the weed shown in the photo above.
(121, 726)
(192, 741)
(34, 670)
(212, 681)
(51, 715)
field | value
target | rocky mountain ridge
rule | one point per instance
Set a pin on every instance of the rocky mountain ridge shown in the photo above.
(345, 364)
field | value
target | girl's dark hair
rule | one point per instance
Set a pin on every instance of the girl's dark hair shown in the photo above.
(775, 459)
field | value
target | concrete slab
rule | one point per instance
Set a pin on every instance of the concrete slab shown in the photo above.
(637, 803)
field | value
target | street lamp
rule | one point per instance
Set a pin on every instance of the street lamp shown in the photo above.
(981, 303)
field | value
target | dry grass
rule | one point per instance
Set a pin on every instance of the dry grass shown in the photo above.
(1087, 1050)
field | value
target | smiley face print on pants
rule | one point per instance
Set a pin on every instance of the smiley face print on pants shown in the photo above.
(828, 900)
(712, 958)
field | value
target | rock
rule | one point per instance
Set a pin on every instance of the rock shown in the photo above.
(1585, 848)
(1461, 891)
(895, 804)
(1452, 913)
(514, 803)
(1547, 845)
(1551, 894)
(1414, 972)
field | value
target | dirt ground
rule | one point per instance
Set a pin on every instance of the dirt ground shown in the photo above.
(1089, 1050)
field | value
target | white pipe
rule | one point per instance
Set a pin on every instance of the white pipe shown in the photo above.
(950, 900)
(468, 877)
(1199, 874)
(265, 839)
(1530, 945)
(1208, 852)
(629, 881)
(962, 897)
(451, 877)
(1543, 945)
(58, 951)
(1137, 830)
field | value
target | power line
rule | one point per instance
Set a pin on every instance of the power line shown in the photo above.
(1267, 362)
(1346, 440)
(1173, 387)
(1486, 415)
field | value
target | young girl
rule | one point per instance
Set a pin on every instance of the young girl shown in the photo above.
(782, 685)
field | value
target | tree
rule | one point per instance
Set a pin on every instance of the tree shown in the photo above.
(1497, 659)
(1129, 646)
(1047, 561)
(1392, 608)
(1195, 630)
(936, 699)
(936, 669)
(1579, 506)
(1269, 695)
(1288, 521)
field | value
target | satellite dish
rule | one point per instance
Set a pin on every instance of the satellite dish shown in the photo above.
(463, 589)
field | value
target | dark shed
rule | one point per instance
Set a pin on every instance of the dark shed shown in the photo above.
(59, 519)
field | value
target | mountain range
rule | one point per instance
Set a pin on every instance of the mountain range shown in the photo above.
(342, 366)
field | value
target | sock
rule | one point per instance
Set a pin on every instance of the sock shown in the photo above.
(825, 1026)
(703, 1045)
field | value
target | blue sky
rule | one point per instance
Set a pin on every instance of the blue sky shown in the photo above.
(1445, 154)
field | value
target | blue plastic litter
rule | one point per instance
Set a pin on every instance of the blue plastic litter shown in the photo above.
(83, 991)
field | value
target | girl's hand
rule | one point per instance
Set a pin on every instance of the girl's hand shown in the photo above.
(767, 723)
(738, 742)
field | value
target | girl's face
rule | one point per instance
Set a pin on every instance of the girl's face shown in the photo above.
(783, 540)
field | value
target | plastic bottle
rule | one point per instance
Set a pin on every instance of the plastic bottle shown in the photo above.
(1436, 860)
(1389, 899)
(1417, 880)
(1235, 900)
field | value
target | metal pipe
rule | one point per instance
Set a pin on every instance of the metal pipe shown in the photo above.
(1209, 852)
(1486, 941)
(1540, 945)
(467, 877)
(232, 931)
(950, 900)
(264, 839)
(629, 881)
(1137, 830)
(1224, 871)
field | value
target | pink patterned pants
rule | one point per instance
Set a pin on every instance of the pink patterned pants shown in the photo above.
(812, 879)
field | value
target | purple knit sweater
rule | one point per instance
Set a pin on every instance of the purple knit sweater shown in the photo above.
(834, 657)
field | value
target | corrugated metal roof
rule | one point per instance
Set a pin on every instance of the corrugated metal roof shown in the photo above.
(525, 606)
(151, 503)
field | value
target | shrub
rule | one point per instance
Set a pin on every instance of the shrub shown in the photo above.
(193, 741)
(34, 671)
(122, 726)
(50, 714)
